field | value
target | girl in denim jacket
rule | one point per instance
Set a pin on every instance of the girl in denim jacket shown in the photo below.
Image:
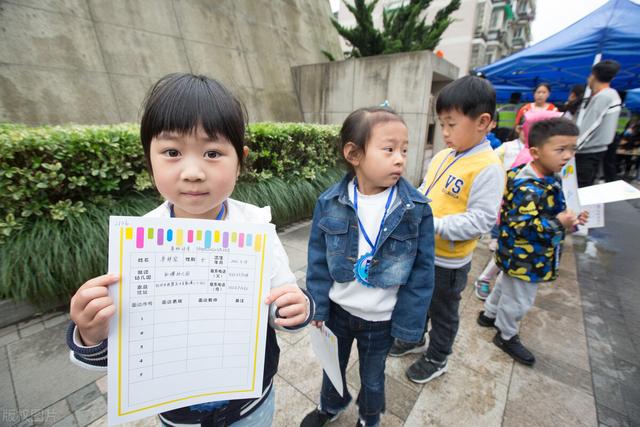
(371, 254)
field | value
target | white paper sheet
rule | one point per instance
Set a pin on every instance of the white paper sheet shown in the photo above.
(325, 346)
(607, 193)
(596, 215)
(570, 187)
(191, 321)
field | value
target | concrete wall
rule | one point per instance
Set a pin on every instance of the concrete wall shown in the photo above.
(329, 91)
(92, 61)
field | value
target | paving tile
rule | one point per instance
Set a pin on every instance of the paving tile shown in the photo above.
(300, 367)
(537, 399)
(30, 329)
(51, 415)
(82, 397)
(297, 257)
(91, 411)
(68, 421)
(8, 404)
(9, 337)
(549, 333)
(297, 238)
(56, 320)
(608, 392)
(291, 404)
(399, 398)
(8, 330)
(564, 372)
(474, 348)
(611, 418)
(103, 384)
(45, 355)
(396, 368)
(462, 397)
(623, 347)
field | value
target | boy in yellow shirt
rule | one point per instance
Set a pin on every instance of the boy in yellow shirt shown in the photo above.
(465, 183)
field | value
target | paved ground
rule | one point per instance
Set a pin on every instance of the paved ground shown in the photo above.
(483, 387)
(608, 271)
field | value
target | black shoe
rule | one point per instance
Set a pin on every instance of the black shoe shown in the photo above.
(424, 370)
(318, 418)
(486, 321)
(514, 348)
(400, 348)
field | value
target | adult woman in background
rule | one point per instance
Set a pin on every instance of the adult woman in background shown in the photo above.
(540, 96)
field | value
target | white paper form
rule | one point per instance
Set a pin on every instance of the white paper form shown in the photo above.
(608, 193)
(596, 215)
(325, 346)
(191, 321)
(570, 186)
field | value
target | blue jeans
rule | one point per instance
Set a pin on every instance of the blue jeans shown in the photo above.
(374, 342)
(261, 417)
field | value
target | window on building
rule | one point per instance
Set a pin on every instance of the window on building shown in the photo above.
(480, 17)
(488, 59)
(475, 53)
(522, 7)
(496, 20)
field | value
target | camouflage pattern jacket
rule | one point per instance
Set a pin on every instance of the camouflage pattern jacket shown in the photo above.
(530, 236)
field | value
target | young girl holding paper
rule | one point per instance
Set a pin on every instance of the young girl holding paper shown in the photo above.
(192, 134)
(371, 254)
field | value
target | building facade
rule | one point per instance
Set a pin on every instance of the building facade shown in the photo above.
(483, 31)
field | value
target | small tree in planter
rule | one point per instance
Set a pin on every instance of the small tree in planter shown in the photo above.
(404, 30)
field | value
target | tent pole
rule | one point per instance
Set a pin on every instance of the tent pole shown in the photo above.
(587, 94)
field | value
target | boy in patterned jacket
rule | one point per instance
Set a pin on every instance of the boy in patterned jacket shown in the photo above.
(533, 222)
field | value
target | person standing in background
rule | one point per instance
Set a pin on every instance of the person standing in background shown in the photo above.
(599, 121)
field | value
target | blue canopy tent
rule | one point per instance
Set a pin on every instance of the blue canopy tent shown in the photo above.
(632, 101)
(565, 59)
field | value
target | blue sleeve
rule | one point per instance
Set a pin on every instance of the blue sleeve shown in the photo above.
(319, 280)
(415, 295)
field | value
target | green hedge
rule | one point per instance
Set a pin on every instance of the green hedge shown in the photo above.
(54, 172)
(58, 183)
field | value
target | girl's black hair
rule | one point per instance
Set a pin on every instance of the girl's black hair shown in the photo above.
(545, 84)
(358, 125)
(181, 102)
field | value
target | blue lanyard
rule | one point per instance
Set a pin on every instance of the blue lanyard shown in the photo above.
(218, 217)
(437, 177)
(386, 208)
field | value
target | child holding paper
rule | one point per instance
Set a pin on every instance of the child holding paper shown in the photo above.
(192, 134)
(370, 267)
(512, 154)
(533, 222)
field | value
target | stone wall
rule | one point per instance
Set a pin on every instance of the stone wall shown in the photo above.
(329, 91)
(92, 61)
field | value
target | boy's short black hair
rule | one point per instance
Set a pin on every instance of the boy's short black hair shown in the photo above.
(543, 130)
(181, 102)
(605, 71)
(470, 95)
(357, 127)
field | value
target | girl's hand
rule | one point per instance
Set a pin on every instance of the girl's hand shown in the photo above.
(583, 217)
(91, 308)
(293, 305)
(317, 323)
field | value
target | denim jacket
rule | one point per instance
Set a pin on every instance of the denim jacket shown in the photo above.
(404, 256)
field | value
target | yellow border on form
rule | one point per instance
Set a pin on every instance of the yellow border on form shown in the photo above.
(120, 325)
(255, 353)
